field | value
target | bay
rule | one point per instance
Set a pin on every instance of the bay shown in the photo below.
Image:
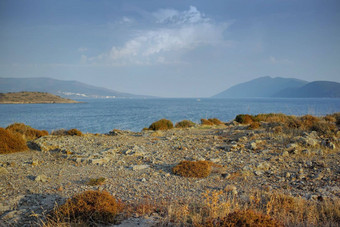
(103, 115)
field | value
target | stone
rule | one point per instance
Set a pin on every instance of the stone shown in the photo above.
(328, 144)
(308, 141)
(41, 178)
(139, 167)
(263, 166)
(215, 160)
(98, 161)
(253, 146)
(285, 154)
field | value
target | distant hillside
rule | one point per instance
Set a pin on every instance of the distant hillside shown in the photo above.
(316, 89)
(260, 87)
(68, 89)
(32, 97)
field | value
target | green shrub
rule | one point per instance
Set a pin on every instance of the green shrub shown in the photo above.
(162, 124)
(74, 132)
(91, 207)
(198, 169)
(11, 142)
(244, 118)
(185, 124)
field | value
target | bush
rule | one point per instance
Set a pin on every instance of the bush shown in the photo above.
(206, 122)
(11, 142)
(74, 132)
(185, 124)
(96, 181)
(244, 118)
(254, 125)
(199, 169)
(91, 206)
(215, 121)
(27, 131)
(59, 132)
(162, 124)
(245, 218)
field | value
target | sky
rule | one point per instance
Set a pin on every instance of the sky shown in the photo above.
(177, 48)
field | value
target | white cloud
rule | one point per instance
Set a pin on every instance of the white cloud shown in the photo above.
(176, 33)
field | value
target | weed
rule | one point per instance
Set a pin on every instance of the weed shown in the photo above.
(74, 132)
(185, 124)
(11, 142)
(198, 169)
(162, 124)
(26, 131)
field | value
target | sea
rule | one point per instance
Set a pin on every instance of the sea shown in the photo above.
(104, 115)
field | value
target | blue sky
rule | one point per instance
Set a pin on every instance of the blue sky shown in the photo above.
(177, 48)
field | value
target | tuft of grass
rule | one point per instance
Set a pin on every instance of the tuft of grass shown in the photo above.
(96, 181)
(90, 208)
(254, 125)
(74, 132)
(162, 124)
(185, 124)
(11, 142)
(216, 121)
(27, 131)
(198, 169)
(206, 122)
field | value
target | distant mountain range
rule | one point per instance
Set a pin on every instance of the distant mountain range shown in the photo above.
(67, 89)
(282, 88)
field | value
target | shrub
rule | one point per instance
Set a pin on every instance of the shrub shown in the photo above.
(308, 121)
(254, 125)
(206, 122)
(11, 142)
(27, 131)
(199, 169)
(324, 128)
(91, 206)
(59, 132)
(185, 124)
(245, 218)
(162, 124)
(74, 132)
(215, 121)
(96, 181)
(244, 118)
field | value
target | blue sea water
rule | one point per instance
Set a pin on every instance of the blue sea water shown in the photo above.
(103, 115)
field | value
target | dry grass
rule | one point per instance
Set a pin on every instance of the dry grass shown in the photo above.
(206, 122)
(89, 208)
(162, 124)
(26, 131)
(185, 124)
(74, 132)
(96, 181)
(198, 169)
(254, 125)
(11, 142)
(216, 121)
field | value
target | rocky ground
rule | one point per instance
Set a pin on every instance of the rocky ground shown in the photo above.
(138, 165)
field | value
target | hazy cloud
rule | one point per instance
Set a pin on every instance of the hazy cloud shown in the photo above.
(176, 33)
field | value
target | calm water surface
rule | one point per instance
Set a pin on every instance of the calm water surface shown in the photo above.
(101, 116)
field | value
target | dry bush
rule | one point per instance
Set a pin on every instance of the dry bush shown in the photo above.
(96, 181)
(90, 207)
(59, 132)
(74, 132)
(271, 117)
(308, 121)
(185, 124)
(198, 169)
(244, 118)
(162, 124)
(245, 218)
(254, 125)
(330, 118)
(206, 122)
(216, 121)
(11, 142)
(324, 128)
(26, 131)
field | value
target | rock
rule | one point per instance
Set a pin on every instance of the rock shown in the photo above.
(308, 141)
(215, 160)
(285, 154)
(41, 178)
(263, 166)
(328, 144)
(3, 171)
(35, 163)
(306, 152)
(139, 167)
(287, 175)
(292, 145)
(98, 161)
(253, 146)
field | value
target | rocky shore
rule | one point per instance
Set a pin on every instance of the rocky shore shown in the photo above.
(137, 165)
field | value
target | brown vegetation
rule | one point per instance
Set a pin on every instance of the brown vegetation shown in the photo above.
(211, 121)
(27, 132)
(162, 124)
(185, 124)
(11, 142)
(74, 132)
(96, 181)
(32, 97)
(198, 169)
(89, 207)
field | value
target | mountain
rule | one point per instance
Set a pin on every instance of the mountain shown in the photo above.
(67, 89)
(32, 97)
(316, 89)
(260, 87)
